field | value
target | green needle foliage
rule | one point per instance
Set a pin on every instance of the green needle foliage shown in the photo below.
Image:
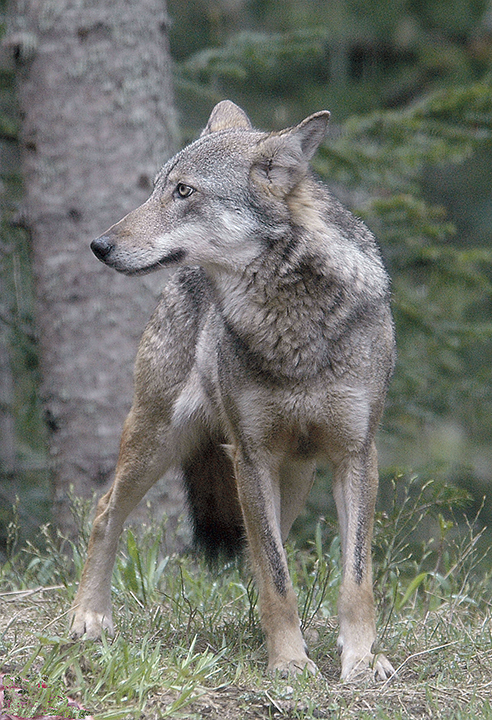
(441, 288)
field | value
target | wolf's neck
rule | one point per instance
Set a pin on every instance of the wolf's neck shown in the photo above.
(287, 309)
(291, 307)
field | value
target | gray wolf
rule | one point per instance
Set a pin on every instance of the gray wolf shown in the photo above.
(271, 349)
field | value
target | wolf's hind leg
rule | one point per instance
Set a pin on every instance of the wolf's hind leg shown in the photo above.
(141, 463)
(296, 480)
(258, 481)
(355, 487)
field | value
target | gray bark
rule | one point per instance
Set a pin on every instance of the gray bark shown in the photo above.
(7, 428)
(98, 121)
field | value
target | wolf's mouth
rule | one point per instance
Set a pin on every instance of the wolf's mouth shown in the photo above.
(175, 256)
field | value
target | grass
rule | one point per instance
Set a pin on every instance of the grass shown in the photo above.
(188, 642)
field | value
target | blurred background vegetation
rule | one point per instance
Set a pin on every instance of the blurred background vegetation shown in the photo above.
(409, 86)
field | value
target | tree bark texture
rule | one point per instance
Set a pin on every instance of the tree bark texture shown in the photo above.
(98, 122)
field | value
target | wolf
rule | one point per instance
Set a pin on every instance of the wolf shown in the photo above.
(270, 350)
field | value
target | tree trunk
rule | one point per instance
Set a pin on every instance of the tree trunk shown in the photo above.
(98, 122)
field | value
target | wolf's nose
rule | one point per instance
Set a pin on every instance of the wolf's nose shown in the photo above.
(101, 247)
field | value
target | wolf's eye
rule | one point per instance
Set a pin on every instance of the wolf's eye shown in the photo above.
(184, 191)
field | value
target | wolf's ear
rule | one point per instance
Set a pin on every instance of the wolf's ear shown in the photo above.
(310, 132)
(226, 116)
(282, 158)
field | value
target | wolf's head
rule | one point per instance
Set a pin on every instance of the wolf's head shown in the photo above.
(218, 201)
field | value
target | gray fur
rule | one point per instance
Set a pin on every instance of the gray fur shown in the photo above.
(270, 350)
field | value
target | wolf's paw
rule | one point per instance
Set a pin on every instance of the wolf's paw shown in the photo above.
(382, 668)
(285, 668)
(358, 668)
(89, 624)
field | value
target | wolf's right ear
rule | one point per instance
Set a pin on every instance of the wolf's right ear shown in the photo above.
(226, 115)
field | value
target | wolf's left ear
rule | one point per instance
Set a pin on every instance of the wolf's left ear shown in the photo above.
(310, 132)
(282, 158)
(226, 115)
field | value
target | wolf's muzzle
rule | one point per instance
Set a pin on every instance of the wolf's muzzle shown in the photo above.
(102, 247)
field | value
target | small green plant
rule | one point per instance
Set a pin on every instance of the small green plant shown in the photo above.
(34, 697)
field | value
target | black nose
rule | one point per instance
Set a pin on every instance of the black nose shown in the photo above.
(101, 247)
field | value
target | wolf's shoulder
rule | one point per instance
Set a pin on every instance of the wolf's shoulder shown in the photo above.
(349, 226)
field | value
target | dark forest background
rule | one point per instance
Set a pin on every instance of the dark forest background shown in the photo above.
(409, 86)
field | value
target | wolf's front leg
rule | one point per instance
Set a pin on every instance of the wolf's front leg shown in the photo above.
(140, 464)
(355, 487)
(91, 609)
(258, 493)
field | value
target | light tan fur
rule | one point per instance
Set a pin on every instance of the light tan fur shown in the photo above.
(270, 350)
